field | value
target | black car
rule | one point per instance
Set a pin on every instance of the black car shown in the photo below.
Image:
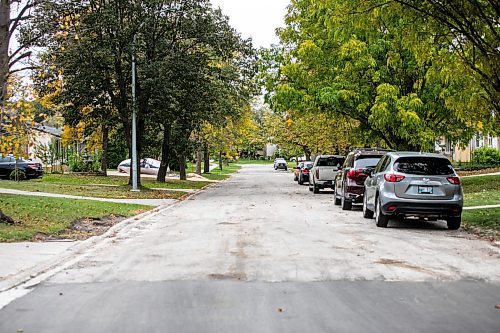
(350, 181)
(9, 164)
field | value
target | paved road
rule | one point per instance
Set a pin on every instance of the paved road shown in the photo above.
(259, 253)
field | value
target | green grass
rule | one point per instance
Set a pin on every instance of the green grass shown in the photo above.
(115, 187)
(51, 215)
(481, 183)
(479, 191)
(486, 220)
(250, 161)
(218, 174)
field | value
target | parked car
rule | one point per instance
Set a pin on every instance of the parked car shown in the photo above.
(304, 173)
(324, 170)
(280, 163)
(350, 181)
(408, 184)
(149, 166)
(8, 165)
(296, 171)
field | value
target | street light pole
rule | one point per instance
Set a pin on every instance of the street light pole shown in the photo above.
(134, 122)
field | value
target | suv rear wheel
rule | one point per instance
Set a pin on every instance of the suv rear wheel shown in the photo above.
(336, 199)
(381, 219)
(454, 222)
(346, 204)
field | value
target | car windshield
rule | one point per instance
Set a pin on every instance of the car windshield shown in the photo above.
(424, 166)
(366, 162)
(330, 161)
(308, 166)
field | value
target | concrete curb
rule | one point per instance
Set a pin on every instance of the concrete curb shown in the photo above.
(481, 207)
(37, 274)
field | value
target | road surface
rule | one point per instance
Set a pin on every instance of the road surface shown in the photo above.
(259, 253)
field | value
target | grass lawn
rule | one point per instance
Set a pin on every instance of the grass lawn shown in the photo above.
(484, 190)
(51, 215)
(480, 191)
(104, 187)
(249, 161)
(218, 174)
(483, 219)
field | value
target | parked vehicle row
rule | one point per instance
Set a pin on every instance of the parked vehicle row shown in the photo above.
(389, 184)
(9, 165)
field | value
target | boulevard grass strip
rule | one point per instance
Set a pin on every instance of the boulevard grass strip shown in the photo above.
(121, 181)
(481, 191)
(483, 221)
(49, 216)
(111, 187)
(218, 174)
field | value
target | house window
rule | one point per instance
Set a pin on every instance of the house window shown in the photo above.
(490, 141)
(478, 141)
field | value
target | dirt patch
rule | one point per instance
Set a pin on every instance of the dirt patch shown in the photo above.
(402, 264)
(82, 229)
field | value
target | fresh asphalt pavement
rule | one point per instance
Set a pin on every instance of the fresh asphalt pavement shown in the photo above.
(259, 253)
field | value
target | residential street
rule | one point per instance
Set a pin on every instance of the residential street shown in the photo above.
(259, 253)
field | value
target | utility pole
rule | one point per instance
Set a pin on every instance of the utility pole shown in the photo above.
(134, 122)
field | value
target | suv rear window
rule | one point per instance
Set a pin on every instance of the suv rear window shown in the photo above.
(367, 161)
(330, 161)
(423, 166)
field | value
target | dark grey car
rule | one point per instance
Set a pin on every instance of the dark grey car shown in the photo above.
(413, 184)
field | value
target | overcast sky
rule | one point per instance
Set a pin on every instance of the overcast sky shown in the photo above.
(257, 19)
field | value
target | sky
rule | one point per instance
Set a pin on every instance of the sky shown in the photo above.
(257, 19)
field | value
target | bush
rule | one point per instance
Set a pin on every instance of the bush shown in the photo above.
(487, 156)
(17, 175)
(76, 163)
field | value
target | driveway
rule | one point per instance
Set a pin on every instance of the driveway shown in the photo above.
(259, 253)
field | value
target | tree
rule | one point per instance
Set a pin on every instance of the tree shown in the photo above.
(397, 77)
(11, 60)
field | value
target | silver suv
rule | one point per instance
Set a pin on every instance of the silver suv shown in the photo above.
(413, 185)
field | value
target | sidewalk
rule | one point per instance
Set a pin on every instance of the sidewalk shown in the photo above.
(145, 202)
(482, 175)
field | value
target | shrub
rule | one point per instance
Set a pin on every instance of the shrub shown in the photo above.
(487, 156)
(76, 163)
(17, 175)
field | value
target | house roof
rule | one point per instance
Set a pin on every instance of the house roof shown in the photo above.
(49, 130)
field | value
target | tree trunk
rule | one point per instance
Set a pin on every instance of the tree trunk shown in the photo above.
(307, 152)
(199, 157)
(220, 160)
(5, 219)
(165, 154)
(104, 157)
(4, 46)
(182, 166)
(206, 159)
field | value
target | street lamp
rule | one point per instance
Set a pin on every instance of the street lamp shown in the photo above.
(135, 188)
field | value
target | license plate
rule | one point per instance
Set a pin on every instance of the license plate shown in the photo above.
(425, 190)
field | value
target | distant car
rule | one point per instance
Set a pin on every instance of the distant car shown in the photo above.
(297, 171)
(350, 181)
(8, 165)
(408, 184)
(324, 171)
(304, 173)
(280, 164)
(149, 166)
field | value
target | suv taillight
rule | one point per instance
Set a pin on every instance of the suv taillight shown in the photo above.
(33, 166)
(305, 170)
(355, 174)
(454, 180)
(392, 178)
(317, 173)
